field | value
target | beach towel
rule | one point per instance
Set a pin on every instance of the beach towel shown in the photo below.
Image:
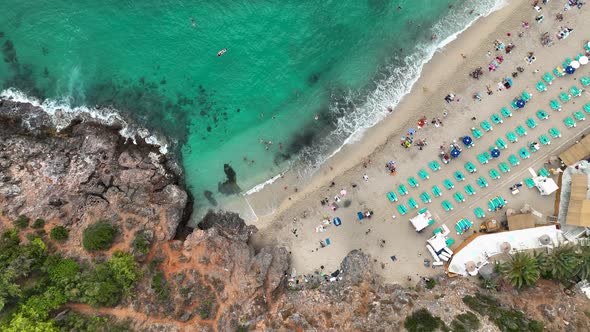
(360, 215)
(328, 242)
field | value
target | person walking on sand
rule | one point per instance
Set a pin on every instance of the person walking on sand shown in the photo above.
(366, 177)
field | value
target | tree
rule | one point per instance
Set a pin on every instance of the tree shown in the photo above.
(38, 223)
(521, 270)
(99, 236)
(22, 221)
(59, 234)
(563, 263)
(422, 320)
(584, 268)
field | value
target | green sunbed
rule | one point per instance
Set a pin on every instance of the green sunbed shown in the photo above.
(479, 213)
(392, 196)
(511, 136)
(487, 155)
(425, 197)
(564, 97)
(544, 172)
(482, 159)
(485, 125)
(541, 87)
(542, 115)
(476, 133)
(494, 174)
(501, 144)
(554, 133)
(436, 191)
(520, 131)
(423, 174)
(504, 168)
(526, 96)
(579, 116)
(531, 123)
(412, 203)
(447, 205)
(529, 182)
(586, 108)
(585, 81)
(513, 160)
(555, 105)
(544, 139)
(506, 112)
(548, 78)
(496, 119)
(523, 153)
(459, 176)
(469, 190)
(470, 167)
(448, 184)
(402, 209)
(434, 165)
(402, 190)
(575, 92)
(413, 182)
(559, 72)
(449, 242)
(569, 122)
(481, 181)
(459, 197)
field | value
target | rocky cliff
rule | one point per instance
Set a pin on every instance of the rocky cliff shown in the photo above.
(213, 279)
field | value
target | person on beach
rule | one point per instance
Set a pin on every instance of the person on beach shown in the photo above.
(366, 177)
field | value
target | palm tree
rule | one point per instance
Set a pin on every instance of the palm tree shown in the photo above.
(521, 270)
(584, 268)
(564, 263)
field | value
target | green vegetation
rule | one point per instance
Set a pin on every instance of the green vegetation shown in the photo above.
(141, 243)
(38, 223)
(504, 318)
(59, 234)
(466, 322)
(430, 283)
(22, 221)
(99, 236)
(422, 320)
(35, 283)
(521, 270)
(73, 321)
(205, 309)
(160, 286)
(565, 264)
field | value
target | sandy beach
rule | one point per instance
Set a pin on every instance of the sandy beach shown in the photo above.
(293, 223)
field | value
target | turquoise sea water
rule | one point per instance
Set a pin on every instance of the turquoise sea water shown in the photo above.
(287, 63)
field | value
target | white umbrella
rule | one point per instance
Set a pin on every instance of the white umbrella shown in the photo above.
(583, 60)
(575, 64)
(343, 192)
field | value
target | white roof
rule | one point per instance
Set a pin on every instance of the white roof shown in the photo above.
(545, 185)
(438, 242)
(488, 245)
(421, 221)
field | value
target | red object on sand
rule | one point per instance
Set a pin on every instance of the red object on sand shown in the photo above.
(509, 34)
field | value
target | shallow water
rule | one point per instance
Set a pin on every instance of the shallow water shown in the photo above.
(287, 63)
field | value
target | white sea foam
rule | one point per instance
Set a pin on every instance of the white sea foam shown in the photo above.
(61, 114)
(261, 186)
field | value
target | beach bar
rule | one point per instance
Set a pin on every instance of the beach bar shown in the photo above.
(422, 220)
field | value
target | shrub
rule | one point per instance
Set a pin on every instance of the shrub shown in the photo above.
(141, 243)
(422, 321)
(22, 221)
(59, 234)
(99, 236)
(160, 286)
(38, 223)
(507, 319)
(465, 322)
(430, 283)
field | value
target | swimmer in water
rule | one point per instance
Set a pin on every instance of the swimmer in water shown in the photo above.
(317, 116)
(193, 22)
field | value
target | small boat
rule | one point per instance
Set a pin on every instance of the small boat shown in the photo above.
(222, 52)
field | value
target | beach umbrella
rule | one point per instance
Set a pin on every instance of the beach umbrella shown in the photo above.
(467, 140)
(505, 247)
(575, 64)
(343, 192)
(455, 153)
(545, 239)
(570, 69)
(411, 131)
(470, 266)
(583, 60)
(495, 153)
(520, 103)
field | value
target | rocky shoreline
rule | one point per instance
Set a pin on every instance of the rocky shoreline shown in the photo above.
(212, 278)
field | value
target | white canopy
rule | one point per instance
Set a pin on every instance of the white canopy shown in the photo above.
(545, 185)
(421, 220)
(438, 242)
